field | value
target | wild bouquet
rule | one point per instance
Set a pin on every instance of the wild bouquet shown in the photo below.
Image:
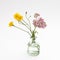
(38, 22)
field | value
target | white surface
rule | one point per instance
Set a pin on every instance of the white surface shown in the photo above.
(13, 42)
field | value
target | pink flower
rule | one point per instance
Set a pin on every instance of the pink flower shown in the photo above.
(35, 23)
(36, 15)
(39, 23)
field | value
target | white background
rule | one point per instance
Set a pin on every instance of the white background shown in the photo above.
(13, 42)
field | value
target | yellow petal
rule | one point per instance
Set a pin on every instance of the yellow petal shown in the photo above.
(18, 17)
(11, 24)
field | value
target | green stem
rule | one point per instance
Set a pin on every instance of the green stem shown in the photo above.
(22, 30)
(28, 21)
(33, 34)
(24, 25)
(34, 29)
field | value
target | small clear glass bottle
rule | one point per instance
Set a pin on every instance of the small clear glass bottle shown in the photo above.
(33, 48)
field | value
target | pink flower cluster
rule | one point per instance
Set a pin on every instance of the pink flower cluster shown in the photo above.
(39, 22)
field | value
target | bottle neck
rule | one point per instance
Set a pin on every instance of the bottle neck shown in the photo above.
(33, 37)
(33, 41)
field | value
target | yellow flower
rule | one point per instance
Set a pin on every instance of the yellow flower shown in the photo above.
(18, 17)
(11, 24)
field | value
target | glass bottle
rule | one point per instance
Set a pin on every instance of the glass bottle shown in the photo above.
(33, 48)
